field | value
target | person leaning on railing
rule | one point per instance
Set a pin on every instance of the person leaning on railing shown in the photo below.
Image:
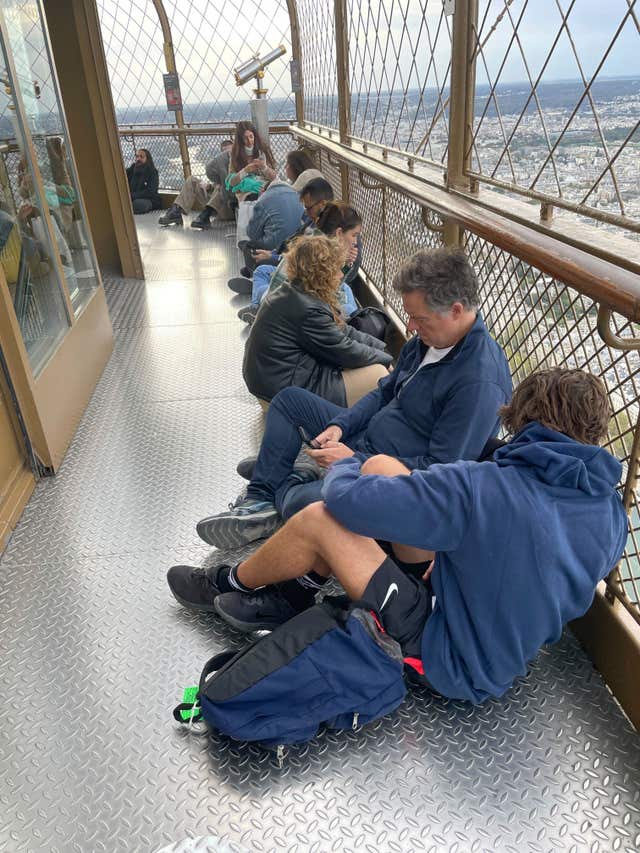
(300, 338)
(440, 404)
(209, 197)
(252, 164)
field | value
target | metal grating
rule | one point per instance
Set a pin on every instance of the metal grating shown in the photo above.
(319, 70)
(209, 41)
(95, 652)
(400, 63)
(540, 322)
(567, 129)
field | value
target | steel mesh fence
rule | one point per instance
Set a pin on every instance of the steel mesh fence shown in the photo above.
(319, 71)
(209, 42)
(550, 120)
(400, 63)
(541, 322)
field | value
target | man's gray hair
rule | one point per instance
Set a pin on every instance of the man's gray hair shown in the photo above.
(442, 276)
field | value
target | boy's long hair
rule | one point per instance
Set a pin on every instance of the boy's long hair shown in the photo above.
(573, 402)
(239, 158)
(313, 263)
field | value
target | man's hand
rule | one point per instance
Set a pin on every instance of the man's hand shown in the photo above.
(262, 255)
(332, 433)
(329, 453)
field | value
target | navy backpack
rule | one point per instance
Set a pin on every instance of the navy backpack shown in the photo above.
(333, 664)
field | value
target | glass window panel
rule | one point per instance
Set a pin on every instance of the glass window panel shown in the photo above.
(45, 122)
(26, 253)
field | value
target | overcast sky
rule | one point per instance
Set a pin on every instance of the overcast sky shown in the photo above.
(213, 37)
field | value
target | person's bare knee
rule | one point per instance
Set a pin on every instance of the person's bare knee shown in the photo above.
(385, 466)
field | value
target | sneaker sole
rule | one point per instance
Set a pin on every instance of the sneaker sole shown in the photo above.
(245, 627)
(201, 227)
(227, 533)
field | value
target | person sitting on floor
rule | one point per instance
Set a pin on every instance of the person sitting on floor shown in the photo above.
(336, 220)
(520, 543)
(314, 195)
(440, 404)
(143, 179)
(300, 338)
(276, 216)
(209, 197)
(252, 164)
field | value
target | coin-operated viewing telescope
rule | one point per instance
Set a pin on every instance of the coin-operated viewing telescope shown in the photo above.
(254, 67)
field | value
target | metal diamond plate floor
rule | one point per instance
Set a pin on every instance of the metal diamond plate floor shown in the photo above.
(94, 652)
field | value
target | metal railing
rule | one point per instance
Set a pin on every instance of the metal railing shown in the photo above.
(553, 313)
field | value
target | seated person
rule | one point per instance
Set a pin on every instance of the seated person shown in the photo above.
(251, 165)
(520, 543)
(314, 196)
(336, 220)
(276, 216)
(143, 179)
(440, 404)
(209, 197)
(299, 337)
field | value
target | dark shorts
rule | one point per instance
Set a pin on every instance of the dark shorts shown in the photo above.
(402, 603)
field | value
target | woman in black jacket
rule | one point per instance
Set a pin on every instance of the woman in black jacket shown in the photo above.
(143, 183)
(299, 337)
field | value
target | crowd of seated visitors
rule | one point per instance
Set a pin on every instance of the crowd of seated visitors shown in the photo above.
(471, 551)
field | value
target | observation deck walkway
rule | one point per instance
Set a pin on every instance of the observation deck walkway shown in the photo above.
(95, 651)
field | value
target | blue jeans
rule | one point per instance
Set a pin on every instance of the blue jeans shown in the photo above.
(273, 477)
(261, 278)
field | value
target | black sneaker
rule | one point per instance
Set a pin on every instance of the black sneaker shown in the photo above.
(173, 216)
(194, 587)
(262, 610)
(248, 313)
(240, 284)
(202, 221)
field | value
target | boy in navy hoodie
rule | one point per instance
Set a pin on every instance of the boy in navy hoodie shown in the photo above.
(520, 542)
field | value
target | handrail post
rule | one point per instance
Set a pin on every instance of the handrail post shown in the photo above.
(344, 93)
(463, 78)
(170, 61)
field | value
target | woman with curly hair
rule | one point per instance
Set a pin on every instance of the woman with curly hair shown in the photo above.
(300, 338)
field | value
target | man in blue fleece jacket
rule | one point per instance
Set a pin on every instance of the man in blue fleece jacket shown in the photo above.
(440, 404)
(521, 541)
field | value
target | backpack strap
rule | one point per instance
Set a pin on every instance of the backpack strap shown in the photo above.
(188, 711)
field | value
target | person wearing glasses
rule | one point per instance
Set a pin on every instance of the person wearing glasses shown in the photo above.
(439, 405)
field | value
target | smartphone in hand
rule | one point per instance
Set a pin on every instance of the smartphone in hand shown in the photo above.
(307, 440)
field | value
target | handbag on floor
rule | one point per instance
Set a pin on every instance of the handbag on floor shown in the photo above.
(331, 665)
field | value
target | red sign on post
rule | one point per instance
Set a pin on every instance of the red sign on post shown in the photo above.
(172, 92)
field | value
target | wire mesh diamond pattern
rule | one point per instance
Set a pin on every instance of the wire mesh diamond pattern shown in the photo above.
(133, 42)
(541, 322)
(318, 47)
(400, 63)
(577, 140)
(209, 41)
